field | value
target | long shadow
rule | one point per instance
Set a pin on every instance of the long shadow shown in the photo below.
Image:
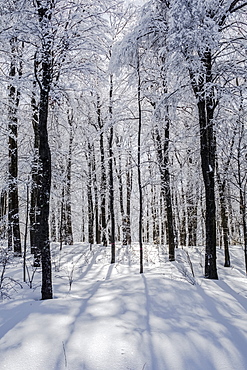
(109, 272)
(91, 292)
(16, 315)
(80, 310)
(148, 325)
(233, 332)
(90, 264)
(240, 299)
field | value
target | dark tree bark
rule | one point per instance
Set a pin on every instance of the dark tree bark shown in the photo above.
(103, 178)
(118, 168)
(96, 200)
(111, 182)
(242, 178)
(3, 214)
(192, 223)
(224, 221)
(35, 173)
(25, 235)
(192, 201)
(126, 233)
(14, 236)
(62, 220)
(222, 186)
(202, 85)
(90, 197)
(162, 147)
(68, 238)
(180, 209)
(83, 238)
(147, 228)
(129, 176)
(162, 222)
(206, 105)
(139, 165)
(155, 218)
(45, 9)
(153, 206)
(53, 224)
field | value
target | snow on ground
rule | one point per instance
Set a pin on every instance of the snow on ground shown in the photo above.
(110, 317)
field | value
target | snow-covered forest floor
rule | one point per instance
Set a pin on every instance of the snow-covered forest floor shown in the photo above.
(110, 317)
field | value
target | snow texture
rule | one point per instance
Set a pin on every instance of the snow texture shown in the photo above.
(111, 317)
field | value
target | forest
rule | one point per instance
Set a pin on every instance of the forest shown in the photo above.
(123, 124)
(123, 184)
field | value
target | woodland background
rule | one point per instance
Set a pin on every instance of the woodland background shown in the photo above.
(122, 124)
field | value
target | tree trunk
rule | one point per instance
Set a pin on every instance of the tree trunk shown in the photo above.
(103, 178)
(83, 218)
(129, 176)
(224, 214)
(191, 200)
(3, 214)
(182, 220)
(118, 169)
(96, 200)
(205, 102)
(35, 173)
(90, 197)
(68, 220)
(44, 178)
(53, 224)
(242, 185)
(62, 221)
(14, 236)
(139, 165)
(162, 144)
(155, 218)
(111, 182)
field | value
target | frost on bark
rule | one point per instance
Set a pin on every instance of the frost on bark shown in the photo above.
(241, 174)
(68, 212)
(111, 182)
(34, 183)
(45, 9)
(203, 84)
(140, 189)
(14, 237)
(162, 146)
(90, 196)
(96, 199)
(222, 188)
(124, 211)
(3, 214)
(102, 218)
(203, 91)
(129, 176)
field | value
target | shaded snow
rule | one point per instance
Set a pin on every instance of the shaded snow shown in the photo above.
(114, 318)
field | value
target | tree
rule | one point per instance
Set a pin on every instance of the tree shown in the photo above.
(35, 169)
(14, 237)
(68, 221)
(197, 34)
(139, 160)
(155, 34)
(111, 182)
(100, 125)
(45, 11)
(241, 175)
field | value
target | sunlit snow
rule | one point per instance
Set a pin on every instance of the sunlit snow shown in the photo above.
(109, 317)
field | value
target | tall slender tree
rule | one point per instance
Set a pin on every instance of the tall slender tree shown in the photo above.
(45, 12)
(111, 180)
(14, 236)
